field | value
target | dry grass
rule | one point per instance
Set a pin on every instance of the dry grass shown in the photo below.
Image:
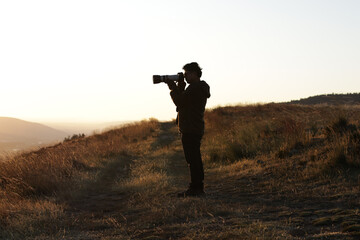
(58, 171)
(235, 133)
(271, 172)
(44, 171)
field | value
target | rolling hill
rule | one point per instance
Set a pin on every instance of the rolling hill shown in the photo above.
(274, 171)
(330, 99)
(19, 134)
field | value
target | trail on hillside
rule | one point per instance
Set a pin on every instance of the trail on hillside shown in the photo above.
(102, 210)
(135, 198)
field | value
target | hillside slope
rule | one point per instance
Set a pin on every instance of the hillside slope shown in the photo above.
(19, 134)
(271, 172)
(12, 129)
(245, 200)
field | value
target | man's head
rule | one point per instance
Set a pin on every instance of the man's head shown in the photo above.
(192, 72)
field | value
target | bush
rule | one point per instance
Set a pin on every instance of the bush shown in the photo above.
(74, 136)
(339, 127)
(344, 140)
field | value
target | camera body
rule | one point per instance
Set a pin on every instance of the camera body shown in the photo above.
(165, 78)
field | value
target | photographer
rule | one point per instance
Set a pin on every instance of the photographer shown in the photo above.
(190, 103)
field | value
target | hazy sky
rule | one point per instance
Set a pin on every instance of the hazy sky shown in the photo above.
(94, 60)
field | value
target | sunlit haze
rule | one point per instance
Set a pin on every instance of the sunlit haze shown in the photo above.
(94, 60)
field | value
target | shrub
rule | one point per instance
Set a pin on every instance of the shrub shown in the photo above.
(74, 136)
(339, 127)
(344, 140)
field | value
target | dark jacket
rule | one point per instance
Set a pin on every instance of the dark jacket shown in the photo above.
(190, 105)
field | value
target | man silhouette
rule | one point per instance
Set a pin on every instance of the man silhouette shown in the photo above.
(190, 103)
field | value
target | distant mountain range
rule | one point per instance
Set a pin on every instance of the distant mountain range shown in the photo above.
(84, 127)
(330, 99)
(16, 134)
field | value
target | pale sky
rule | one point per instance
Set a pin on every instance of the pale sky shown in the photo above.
(94, 60)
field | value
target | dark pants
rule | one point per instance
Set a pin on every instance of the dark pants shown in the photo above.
(191, 145)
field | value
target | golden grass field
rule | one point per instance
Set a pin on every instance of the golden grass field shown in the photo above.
(272, 171)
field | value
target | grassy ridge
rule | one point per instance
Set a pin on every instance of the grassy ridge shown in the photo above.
(32, 183)
(281, 131)
(49, 169)
(255, 153)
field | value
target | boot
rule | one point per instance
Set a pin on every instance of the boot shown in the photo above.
(194, 190)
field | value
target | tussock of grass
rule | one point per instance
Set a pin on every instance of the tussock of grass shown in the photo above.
(29, 218)
(344, 139)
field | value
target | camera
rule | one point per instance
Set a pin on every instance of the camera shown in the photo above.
(164, 78)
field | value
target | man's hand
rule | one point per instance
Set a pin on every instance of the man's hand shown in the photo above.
(181, 86)
(171, 85)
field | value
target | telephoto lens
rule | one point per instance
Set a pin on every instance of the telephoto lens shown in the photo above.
(157, 79)
(164, 78)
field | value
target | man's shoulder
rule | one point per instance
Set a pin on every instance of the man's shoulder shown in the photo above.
(204, 88)
(198, 85)
(200, 88)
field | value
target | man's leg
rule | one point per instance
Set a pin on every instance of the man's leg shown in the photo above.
(191, 145)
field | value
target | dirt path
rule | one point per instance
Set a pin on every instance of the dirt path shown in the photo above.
(92, 213)
(289, 215)
(134, 198)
